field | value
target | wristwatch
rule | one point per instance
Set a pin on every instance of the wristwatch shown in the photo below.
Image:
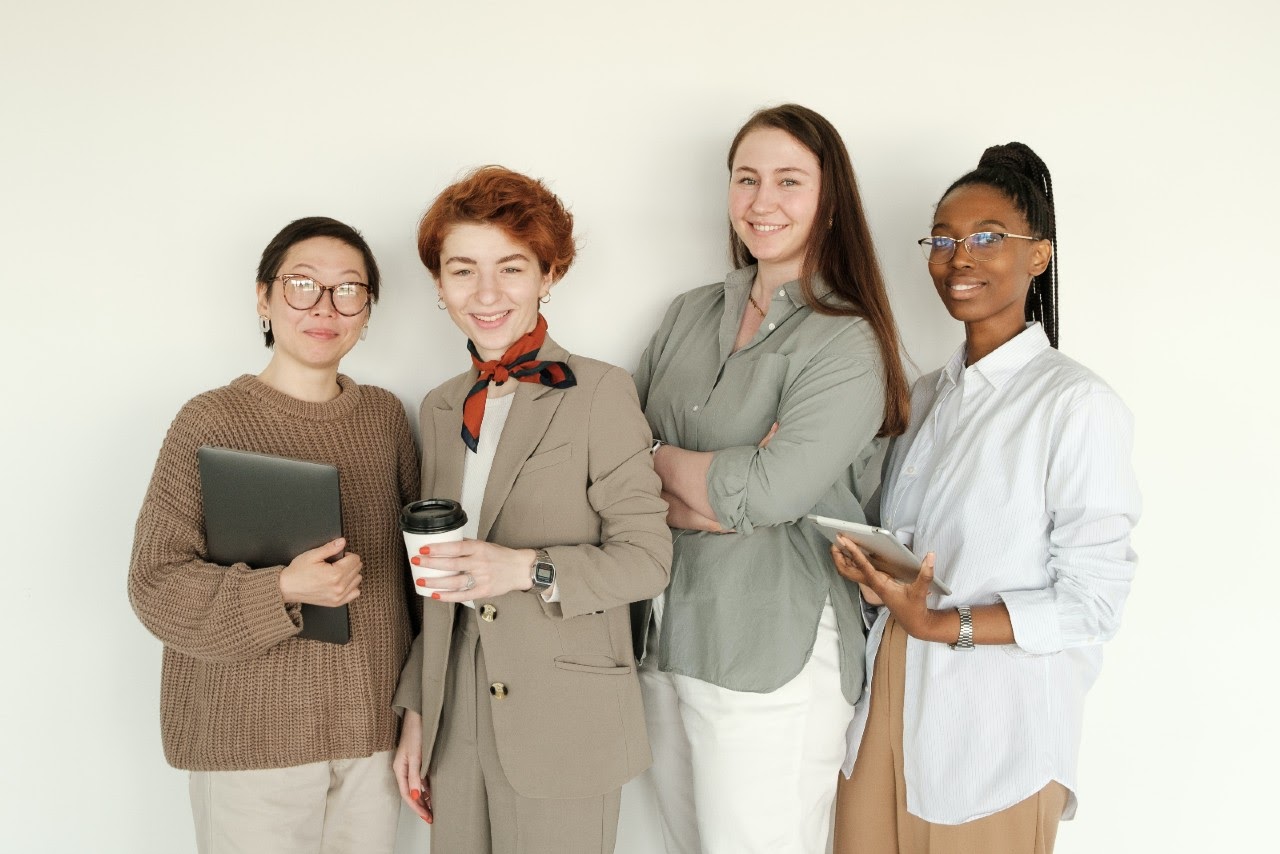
(657, 443)
(544, 571)
(965, 641)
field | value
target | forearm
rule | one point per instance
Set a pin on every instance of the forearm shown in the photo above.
(991, 625)
(681, 515)
(684, 475)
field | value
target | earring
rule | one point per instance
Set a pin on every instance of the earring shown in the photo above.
(264, 323)
(545, 298)
(440, 304)
(364, 332)
(831, 221)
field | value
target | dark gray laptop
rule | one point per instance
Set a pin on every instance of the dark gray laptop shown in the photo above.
(265, 511)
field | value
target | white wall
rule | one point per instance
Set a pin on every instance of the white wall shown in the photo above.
(149, 149)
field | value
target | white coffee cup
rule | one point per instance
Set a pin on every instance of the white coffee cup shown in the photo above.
(424, 523)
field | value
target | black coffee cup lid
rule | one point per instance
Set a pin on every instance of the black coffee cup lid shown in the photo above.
(432, 516)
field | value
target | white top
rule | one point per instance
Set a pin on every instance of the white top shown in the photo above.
(476, 468)
(1016, 472)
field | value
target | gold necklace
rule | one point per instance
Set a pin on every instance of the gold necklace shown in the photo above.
(755, 305)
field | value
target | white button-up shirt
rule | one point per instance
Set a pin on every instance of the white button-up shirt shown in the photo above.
(1016, 473)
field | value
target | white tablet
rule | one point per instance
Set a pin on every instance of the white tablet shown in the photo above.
(894, 557)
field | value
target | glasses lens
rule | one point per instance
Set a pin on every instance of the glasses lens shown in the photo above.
(300, 292)
(985, 245)
(350, 298)
(937, 250)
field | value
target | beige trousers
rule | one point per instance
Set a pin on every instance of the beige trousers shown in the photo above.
(871, 806)
(476, 811)
(339, 807)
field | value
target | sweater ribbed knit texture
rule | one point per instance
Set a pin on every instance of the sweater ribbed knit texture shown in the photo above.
(238, 690)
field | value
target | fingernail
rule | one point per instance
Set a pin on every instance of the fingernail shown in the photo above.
(425, 550)
(415, 560)
(421, 582)
(415, 794)
(433, 595)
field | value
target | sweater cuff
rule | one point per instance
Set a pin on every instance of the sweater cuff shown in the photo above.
(267, 618)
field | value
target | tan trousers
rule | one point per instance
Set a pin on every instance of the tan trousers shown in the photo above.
(476, 810)
(340, 807)
(871, 807)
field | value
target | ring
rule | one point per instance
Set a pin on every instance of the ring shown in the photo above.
(471, 581)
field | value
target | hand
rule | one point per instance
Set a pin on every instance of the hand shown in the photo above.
(310, 578)
(681, 515)
(907, 602)
(494, 569)
(764, 443)
(415, 789)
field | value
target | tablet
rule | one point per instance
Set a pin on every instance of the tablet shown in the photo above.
(896, 558)
(265, 511)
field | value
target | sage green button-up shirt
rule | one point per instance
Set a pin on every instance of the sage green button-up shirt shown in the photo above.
(742, 609)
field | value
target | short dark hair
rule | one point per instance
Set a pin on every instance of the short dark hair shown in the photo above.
(305, 229)
(1019, 173)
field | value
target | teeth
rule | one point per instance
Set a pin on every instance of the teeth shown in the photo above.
(963, 287)
(489, 318)
(767, 227)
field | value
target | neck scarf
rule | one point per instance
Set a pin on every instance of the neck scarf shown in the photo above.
(520, 363)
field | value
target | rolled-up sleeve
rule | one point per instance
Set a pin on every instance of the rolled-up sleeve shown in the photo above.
(827, 416)
(1093, 502)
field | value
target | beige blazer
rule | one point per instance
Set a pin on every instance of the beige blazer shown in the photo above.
(572, 474)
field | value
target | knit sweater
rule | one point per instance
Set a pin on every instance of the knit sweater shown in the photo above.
(239, 690)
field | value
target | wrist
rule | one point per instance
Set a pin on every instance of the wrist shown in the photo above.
(527, 558)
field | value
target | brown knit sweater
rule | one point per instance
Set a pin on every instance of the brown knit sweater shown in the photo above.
(238, 689)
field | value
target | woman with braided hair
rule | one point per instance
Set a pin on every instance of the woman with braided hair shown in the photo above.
(1014, 485)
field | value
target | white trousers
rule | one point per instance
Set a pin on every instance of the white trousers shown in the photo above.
(346, 806)
(738, 772)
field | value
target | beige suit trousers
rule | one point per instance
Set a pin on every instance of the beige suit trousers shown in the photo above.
(871, 806)
(475, 808)
(345, 806)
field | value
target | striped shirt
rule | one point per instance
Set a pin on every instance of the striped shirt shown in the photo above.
(1016, 473)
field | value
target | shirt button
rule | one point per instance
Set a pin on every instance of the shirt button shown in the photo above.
(498, 690)
(911, 469)
(771, 326)
(695, 409)
(488, 613)
(782, 293)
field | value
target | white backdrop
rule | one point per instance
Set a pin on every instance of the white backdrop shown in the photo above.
(149, 149)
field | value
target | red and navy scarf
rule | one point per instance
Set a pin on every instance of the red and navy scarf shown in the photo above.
(520, 363)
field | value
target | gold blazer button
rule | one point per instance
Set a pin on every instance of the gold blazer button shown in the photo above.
(488, 613)
(498, 690)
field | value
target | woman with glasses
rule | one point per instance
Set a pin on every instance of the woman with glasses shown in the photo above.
(522, 713)
(770, 392)
(288, 740)
(1014, 485)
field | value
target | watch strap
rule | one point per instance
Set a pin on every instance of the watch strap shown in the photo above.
(965, 641)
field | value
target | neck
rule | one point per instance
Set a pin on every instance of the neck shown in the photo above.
(981, 340)
(770, 276)
(314, 385)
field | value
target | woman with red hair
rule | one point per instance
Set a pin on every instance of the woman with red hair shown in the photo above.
(522, 713)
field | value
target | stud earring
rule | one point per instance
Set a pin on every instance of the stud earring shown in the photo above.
(545, 298)
(264, 323)
(364, 332)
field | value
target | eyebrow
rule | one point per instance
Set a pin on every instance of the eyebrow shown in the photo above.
(462, 259)
(755, 171)
(985, 222)
(518, 256)
(356, 273)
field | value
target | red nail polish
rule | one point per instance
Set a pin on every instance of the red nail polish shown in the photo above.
(421, 582)
(435, 595)
(415, 794)
(425, 550)
(415, 560)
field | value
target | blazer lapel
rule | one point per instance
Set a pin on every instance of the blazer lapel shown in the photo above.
(448, 450)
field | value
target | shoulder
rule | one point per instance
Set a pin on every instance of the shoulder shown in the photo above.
(1057, 377)
(214, 407)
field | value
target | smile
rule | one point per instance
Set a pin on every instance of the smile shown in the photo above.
(489, 319)
(765, 228)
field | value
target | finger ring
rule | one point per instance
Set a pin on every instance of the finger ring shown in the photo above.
(471, 581)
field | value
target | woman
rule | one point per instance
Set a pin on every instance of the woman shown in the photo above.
(1015, 477)
(288, 740)
(759, 643)
(522, 714)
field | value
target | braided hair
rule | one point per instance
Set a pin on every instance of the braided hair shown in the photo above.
(1018, 172)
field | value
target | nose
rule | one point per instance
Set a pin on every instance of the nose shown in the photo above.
(487, 291)
(764, 199)
(961, 259)
(325, 304)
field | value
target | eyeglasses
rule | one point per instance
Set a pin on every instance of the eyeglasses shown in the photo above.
(304, 292)
(981, 246)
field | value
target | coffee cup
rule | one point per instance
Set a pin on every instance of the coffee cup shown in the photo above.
(424, 523)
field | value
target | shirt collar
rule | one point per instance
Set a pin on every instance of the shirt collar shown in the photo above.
(738, 283)
(1002, 364)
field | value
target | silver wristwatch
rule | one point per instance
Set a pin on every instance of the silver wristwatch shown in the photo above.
(544, 571)
(965, 641)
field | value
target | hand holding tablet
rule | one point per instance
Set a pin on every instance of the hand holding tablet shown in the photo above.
(891, 556)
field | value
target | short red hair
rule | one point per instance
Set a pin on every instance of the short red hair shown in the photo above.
(521, 206)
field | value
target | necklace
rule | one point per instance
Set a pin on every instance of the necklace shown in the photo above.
(755, 305)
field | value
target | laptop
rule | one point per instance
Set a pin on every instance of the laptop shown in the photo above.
(265, 511)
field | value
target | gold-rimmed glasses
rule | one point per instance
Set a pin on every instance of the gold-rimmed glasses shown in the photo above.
(981, 246)
(304, 292)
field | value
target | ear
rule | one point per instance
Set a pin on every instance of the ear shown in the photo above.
(1041, 254)
(549, 280)
(263, 303)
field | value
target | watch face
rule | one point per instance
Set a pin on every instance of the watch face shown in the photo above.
(544, 574)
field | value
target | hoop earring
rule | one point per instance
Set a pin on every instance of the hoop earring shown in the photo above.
(545, 298)
(440, 304)
(264, 323)
(364, 332)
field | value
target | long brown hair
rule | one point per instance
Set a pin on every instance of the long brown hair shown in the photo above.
(841, 255)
